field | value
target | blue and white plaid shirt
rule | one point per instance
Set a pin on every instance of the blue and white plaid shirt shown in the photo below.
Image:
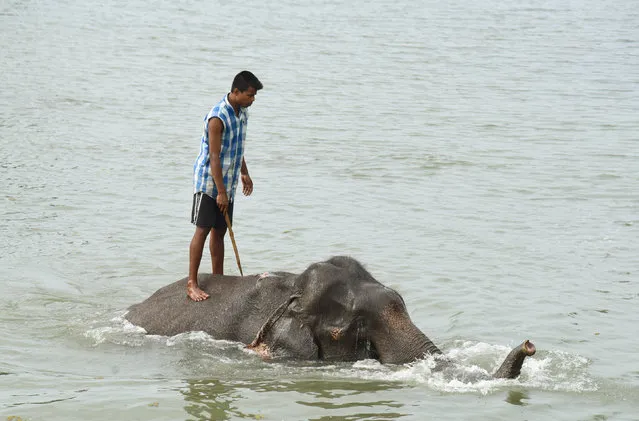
(231, 153)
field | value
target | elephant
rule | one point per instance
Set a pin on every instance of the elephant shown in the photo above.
(333, 311)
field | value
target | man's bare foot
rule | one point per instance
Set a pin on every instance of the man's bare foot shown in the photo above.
(194, 292)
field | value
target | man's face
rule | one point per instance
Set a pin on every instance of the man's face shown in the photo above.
(246, 98)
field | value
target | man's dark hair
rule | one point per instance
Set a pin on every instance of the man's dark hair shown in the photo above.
(245, 80)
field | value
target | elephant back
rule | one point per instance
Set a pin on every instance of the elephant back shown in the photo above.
(236, 309)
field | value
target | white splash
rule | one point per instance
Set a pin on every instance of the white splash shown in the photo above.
(471, 371)
(121, 331)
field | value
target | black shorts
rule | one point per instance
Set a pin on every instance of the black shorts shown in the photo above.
(205, 212)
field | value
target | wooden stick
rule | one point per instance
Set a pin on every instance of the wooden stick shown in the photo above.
(237, 254)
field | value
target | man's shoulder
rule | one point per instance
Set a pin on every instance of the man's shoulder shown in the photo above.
(219, 110)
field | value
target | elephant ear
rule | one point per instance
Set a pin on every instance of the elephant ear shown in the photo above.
(285, 335)
(287, 338)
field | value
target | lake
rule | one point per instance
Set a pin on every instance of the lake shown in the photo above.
(481, 158)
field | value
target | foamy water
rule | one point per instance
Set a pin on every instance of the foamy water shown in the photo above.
(471, 363)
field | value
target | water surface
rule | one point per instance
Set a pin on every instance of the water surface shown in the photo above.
(481, 158)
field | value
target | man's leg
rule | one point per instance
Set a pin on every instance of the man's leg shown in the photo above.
(216, 244)
(195, 257)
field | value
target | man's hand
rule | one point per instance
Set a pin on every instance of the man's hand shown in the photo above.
(222, 201)
(247, 184)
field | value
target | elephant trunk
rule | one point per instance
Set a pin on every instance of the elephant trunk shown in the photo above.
(397, 340)
(511, 367)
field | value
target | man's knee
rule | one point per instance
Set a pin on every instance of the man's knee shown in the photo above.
(202, 232)
(218, 233)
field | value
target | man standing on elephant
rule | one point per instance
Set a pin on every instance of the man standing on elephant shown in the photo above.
(218, 167)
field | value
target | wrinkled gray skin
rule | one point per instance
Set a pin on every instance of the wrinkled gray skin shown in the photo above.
(333, 311)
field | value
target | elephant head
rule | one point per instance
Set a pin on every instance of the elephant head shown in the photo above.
(338, 311)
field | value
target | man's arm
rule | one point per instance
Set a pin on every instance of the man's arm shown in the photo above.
(216, 128)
